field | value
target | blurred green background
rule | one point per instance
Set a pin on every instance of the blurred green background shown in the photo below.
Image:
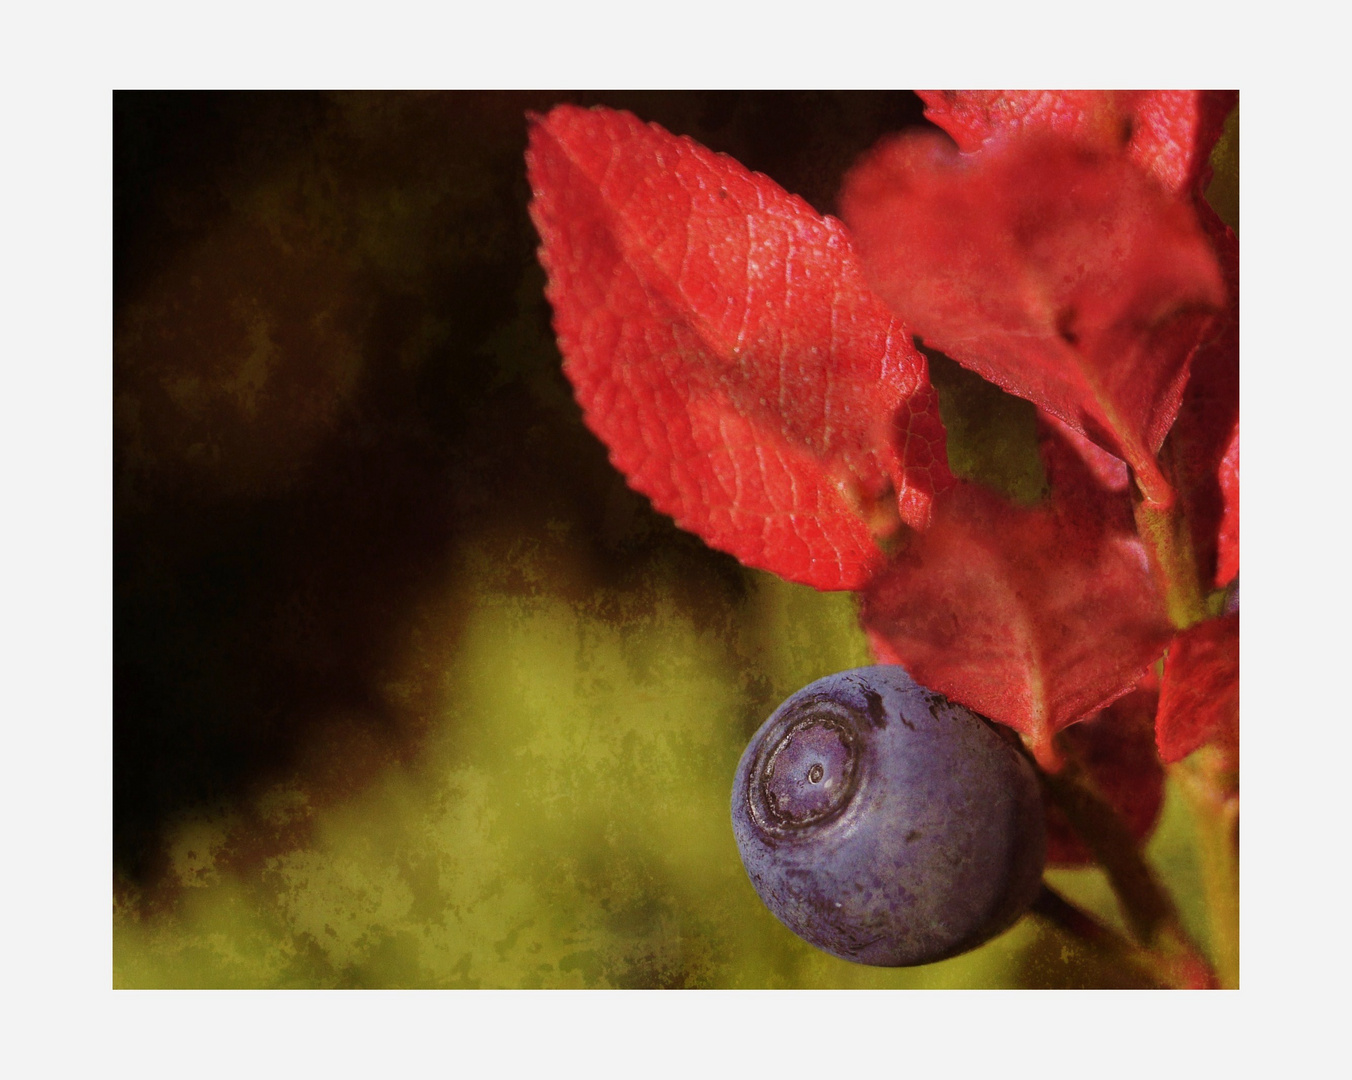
(410, 689)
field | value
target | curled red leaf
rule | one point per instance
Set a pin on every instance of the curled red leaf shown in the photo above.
(1204, 442)
(1065, 275)
(723, 345)
(1109, 472)
(1199, 691)
(1035, 617)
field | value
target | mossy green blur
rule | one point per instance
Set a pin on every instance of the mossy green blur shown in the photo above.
(566, 826)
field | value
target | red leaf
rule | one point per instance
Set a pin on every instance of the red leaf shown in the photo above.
(1204, 442)
(1199, 693)
(1109, 471)
(722, 343)
(1227, 535)
(1117, 749)
(1065, 276)
(1034, 617)
(1169, 133)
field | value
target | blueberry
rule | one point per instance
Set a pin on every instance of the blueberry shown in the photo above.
(885, 824)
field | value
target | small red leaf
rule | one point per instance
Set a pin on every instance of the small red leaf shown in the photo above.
(1065, 276)
(1034, 617)
(722, 343)
(1169, 133)
(1227, 535)
(1199, 692)
(1117, 749)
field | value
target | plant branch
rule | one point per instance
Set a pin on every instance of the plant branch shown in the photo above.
(1078, 923)
(1148, 909)
(1210, 777)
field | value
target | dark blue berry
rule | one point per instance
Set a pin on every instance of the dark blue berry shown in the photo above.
(885, 824)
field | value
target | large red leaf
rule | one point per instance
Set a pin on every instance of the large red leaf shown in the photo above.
(1199, 692)
(722, 343)
(1117, 749)
(1169, 133)
(1035, 617)
(1064, 275)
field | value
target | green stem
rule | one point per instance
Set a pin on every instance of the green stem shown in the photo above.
(1169, 541)
(1148, 908)
(1210, 780)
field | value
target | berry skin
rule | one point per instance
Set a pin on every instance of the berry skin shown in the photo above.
(886, 825)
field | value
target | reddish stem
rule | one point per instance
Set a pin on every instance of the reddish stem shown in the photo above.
(1148, 908)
